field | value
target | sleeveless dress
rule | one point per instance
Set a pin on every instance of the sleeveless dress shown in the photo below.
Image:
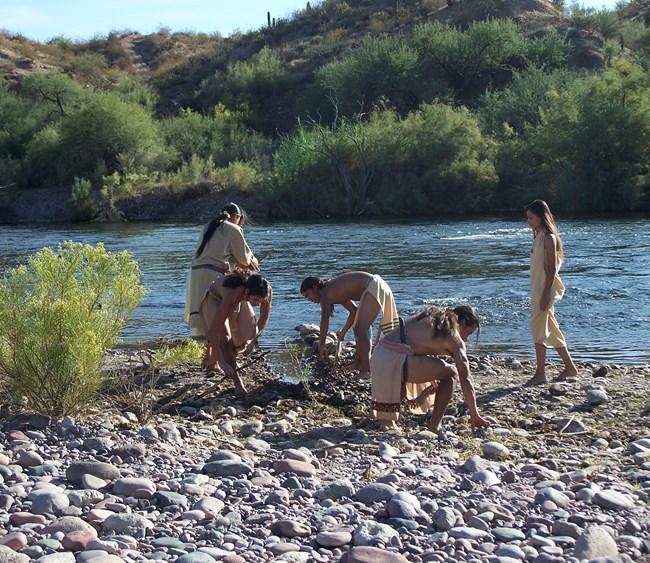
(543, 325)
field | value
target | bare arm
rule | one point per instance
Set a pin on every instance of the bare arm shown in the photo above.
(550, 270)
(326, 311)
(241, 251)
(467, 386)
(265, 314)
(352, 313)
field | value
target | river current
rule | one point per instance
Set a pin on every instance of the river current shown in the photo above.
(605, 313)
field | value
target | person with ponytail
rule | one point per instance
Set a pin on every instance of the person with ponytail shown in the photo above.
(404, 365)
(221, 249)
(232, 329)
(546, 289)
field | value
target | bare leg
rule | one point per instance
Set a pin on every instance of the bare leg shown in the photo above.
(570, 370)
(444, 394)
(368, 311)
(425, 369)
(539, 377)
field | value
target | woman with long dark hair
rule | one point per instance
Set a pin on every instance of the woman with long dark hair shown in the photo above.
(546, 289)
(221, 249)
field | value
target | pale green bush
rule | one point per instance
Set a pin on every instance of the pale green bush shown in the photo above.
(58, 315)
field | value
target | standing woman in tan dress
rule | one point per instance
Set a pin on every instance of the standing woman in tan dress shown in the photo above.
(221, 249)
(546, 289)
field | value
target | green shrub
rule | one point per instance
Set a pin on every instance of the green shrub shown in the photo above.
(83, 205)
(58, 315)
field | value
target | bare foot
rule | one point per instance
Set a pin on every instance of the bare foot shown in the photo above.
(566, 374)
(388, 425)
(364, 375)
(535, 380)
(240, 390)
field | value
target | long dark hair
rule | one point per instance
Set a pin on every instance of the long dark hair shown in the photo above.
(311, 281)
(540, 208)
(229, 210)
(468, 314)
(254, 283)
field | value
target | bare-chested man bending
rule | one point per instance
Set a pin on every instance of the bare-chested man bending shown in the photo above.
(405, 361)
(373, 295)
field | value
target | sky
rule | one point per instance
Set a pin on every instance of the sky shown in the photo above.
(83, 19)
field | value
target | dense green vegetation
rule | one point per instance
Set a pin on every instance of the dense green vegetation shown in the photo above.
(412, 114)
(58, 315)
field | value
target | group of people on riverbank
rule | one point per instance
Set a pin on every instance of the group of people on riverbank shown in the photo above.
(224, 284)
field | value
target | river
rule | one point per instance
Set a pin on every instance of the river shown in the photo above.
(605, 313)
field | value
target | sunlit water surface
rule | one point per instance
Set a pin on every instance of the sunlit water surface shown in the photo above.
(604, 313)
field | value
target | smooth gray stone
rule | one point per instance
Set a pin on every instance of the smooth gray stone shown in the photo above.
(169, 498)
(375, 492)
(196, 557)
(67, 524)
(336, 490)
(135, 450)
(612, 500)
(595, 542)
(552, 494)
(99, 469)
(227, 468)
(127, 523)
(508, 534)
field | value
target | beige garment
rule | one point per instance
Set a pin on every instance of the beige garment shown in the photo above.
(382, 293)
(388, 386)
(225, 248)
(543, 325)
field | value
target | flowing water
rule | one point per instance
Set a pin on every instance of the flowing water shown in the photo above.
(484, 262)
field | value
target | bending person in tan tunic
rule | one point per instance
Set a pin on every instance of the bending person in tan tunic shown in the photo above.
(407, 357)
(546, 289)
(373, 295)
(232, 328)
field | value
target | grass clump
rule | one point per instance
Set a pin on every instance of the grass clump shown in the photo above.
(58, 315)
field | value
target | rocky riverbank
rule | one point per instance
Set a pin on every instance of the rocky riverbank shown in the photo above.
(296, 473)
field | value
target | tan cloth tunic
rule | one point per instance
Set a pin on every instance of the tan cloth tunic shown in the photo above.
(543, 325)
(388, 387)
(220, 256)
(382, 293)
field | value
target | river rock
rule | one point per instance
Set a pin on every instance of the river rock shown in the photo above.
(301, 468)
(8, 555)
(66, 524)
(290, 529)
(495, 450)
(49, 501)
(370, 533)
(104, 471)
(211, 506)
(135, 450)
(227, 468)
(371, 555)
(375, 492)
(333, 538)
(129, 523)
(612, 500)
(134, 487)
(29, 459)
(14, 540)
(595, 542)
(336, 490)
(597, 396)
